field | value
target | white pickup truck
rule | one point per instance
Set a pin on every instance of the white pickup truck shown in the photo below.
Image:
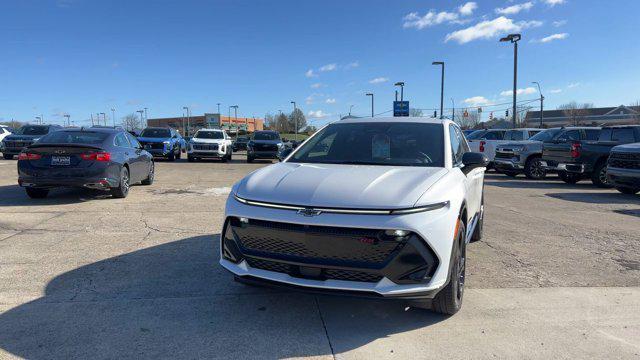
(486, 141)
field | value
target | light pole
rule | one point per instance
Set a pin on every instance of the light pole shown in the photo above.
(218, 108)
(401, 84)
(146, 118)
(514, 38)
(441, 87)
(371, 94)
(235, 117)
(350, 107)
(39, 120)
(67, 116)
(104, 117)
(188, 131)
(453, 110)
(293, 114)
(141, 112)
(541, 103)
(113, 116)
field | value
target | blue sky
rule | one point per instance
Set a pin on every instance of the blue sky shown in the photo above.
(81, 57)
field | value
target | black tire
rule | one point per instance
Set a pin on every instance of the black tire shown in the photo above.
(190, 158)
(37, 193)
(122, 190)
(569, 178)
(249, 159)
(627, 190)
(599, 176)
(509, 173)
(534, 170)
(151, 176)
(179, 156)
(172, 156)
(449, 300)
(230, 155)
(477, 232)
(7, 156)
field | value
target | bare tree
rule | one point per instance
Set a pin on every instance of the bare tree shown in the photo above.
(131, 122)
(467, 119)
(575, 112)
(635, 106)
(415, 112)
(282, 125)
(270, 122)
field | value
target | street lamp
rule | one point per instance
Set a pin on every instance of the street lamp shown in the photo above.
(67, 116)
(295, 119)
(146, 118)
(141, 112)
(188, 130)
(453, 110)
(235, 121)
(218, 108)
(113, 116)
(541, 102)
(104, 117)
(441, 87)
(350, 107)
(514, 38)
(371, 94)
(401, 84)
(39, 118)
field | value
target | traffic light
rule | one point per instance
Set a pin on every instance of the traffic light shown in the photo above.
(435, 113)
(506, 113)
(491, 115)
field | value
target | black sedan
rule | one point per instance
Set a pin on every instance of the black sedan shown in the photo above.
(103, 159)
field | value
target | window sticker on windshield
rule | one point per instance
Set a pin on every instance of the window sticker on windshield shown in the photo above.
(381, 147)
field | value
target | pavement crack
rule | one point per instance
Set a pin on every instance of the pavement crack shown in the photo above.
(324, 326)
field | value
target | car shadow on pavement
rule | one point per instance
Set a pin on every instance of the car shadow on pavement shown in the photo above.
(597, 198)
(14, 195)
(523, 183)
(174, 301)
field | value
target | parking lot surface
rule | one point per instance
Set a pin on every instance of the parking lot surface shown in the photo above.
(82, 275)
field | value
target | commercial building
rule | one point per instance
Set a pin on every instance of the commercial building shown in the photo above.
(188, 126)
(620, 115)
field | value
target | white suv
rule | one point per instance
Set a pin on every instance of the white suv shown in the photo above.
(380, 207)
(210, 143)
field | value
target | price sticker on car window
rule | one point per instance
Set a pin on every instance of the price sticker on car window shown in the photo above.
(381, 147)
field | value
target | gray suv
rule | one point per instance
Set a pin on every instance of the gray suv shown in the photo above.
(623, 168)
(524, 156)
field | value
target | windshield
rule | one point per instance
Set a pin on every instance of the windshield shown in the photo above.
(156, 133)
(545, 135)
(209, 135)
(74, 137)
(476, 134)
(266, 136)
(396, 144)
(33, 130)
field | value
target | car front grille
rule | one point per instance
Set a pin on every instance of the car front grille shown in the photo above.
(625, 160)
(207, 147)
(265, 147)
(504, 155)
(317, 243)
(324, 274)
(152, 145)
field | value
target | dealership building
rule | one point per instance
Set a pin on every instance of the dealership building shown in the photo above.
(189, 125)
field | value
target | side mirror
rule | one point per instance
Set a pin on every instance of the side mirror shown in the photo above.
(284, 153)
(474, 160)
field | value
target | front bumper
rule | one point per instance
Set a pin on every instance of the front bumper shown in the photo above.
(568, 167)
(505, 164)
(624, 177)
(432, 240)
(262, 154)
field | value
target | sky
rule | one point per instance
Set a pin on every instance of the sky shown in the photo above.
(82, 57)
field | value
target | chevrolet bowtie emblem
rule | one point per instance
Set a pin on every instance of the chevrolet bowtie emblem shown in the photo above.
(309, 212)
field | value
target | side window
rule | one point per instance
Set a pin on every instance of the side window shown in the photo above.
(121, 141)
(623, 135)
(457, 148)
(133, 141)
(570, 135)
(494, 135)
(517, 135)
(592, 134)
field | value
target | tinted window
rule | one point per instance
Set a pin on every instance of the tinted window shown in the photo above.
(533, 133)
(476, 134)
(546, 135)
(457, 142)
(74, 137)
(156, 133)
(133, 141)
(392, 143)
(592, 134)
(623, 135)
(570, 135)
(33, 130)
(513, 135)
(121, 140)
(266, 136)
(209, 135)
(494, 135)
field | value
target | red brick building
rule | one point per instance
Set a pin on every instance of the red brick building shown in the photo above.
(188, 126)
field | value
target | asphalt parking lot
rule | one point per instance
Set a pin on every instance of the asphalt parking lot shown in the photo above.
(83, 275)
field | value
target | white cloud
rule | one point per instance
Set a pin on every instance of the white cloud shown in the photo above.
(468, 8)
(310, 73)
(316, 85)
(525, 91)
(552, 38)
(352, 65)
(378, 80)
(514, 9)
(559, 23)
(489, 29)
(309, 100)
(476, 100)
(328, 67)
(553, 3)
(555, 91)
(330, 101)
(317, 114)
(573, 85)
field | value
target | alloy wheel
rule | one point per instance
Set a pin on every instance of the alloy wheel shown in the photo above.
(461, 273)
(537, 170)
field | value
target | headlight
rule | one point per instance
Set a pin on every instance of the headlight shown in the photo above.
(36, 139)
(167, 142)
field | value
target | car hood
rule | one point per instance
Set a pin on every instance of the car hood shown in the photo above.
(22, 137)
(342, 186)
(207, 141)
(153, 140)
(272, 142)
(634, 147)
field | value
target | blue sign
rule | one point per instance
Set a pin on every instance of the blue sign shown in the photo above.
(400, 108)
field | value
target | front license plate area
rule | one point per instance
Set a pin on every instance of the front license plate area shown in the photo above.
(60, 160)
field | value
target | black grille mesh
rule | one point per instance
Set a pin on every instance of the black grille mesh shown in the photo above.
(625, 160)
(333, 274)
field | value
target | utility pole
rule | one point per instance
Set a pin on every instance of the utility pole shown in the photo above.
(453, 110)
(235, 117)
(293, 114)
(68, 116)
(441, 87)
(141, 120)
(104, 118)
(514, 38)
(401, 84)
(188, 131)
(371, 94)
(218, 108)
(541, 103)
(146, 118)
(113, 116)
